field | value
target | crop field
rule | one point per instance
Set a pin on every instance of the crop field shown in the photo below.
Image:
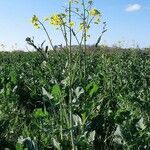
(66, 83)
(110, 104)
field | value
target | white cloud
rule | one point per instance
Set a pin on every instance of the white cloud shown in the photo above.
(133, 7)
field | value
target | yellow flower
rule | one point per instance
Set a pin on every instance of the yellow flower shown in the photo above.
(71, 24)
(34, 19)
(36, 25)
(56, 20)
(94, 12)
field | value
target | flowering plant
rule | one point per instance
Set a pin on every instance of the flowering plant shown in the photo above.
(79, 29)
(74, 24)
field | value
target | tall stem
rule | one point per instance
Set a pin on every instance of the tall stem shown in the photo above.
(63, 30)
(50, 41)
(84, 35)
(70, 84)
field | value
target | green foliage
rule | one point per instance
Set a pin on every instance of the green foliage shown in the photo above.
(91, 88)
(110, 105)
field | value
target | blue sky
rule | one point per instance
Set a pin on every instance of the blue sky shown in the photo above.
(127, 21)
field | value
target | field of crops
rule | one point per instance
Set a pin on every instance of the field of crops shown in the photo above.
(109, 108)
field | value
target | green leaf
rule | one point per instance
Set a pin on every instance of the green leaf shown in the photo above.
(56, 91)
(88, 86)
(91, 136)
(77, 119)
(39, 113)
(19, 146)
(56, 144)
(46, 93)
(13, 77)
(79, 91)
(92, 88)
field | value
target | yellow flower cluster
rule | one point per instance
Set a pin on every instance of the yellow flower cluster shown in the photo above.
(34, 21)
(56, 20)
(94, 12)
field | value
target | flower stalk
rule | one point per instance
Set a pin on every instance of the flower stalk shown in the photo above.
(70, 79)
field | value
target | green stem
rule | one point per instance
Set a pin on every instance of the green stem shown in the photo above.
(84, 35)
(50, 41)
(70, 84)
(61, 120)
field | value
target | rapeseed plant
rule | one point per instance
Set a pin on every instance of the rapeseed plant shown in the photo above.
(70, 29)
